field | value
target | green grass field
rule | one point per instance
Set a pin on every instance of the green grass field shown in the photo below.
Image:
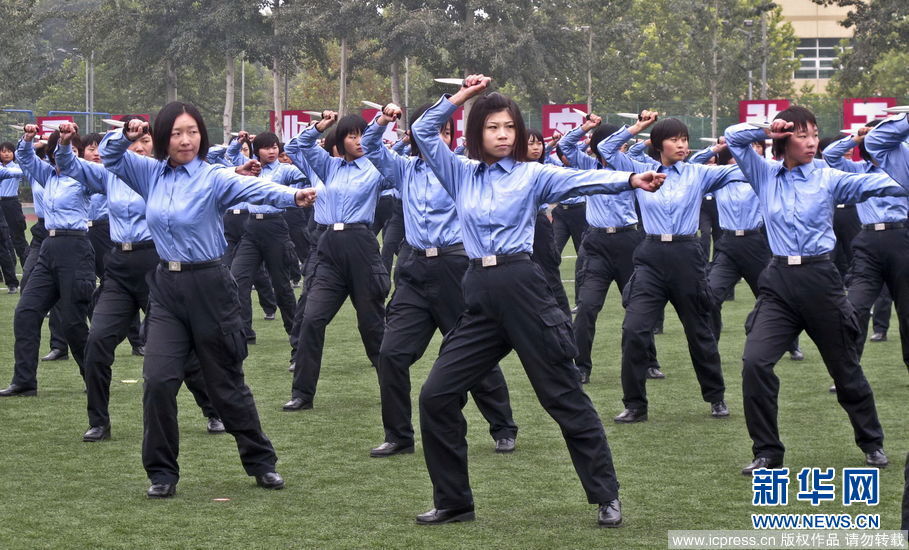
(680, 470)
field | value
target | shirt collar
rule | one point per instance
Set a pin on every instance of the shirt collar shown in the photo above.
(804, 169)
(274, 165)
(192, 167)
(507, 164)
(360, 163)
(675, 167)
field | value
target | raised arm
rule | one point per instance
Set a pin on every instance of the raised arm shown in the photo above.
(570, 145)
(10, 172)
(886, 144)
(610, 151)
(91, 174)
(28, 161)
(316, 157)
(638, 152)
(443, 162)
(134, 170)
(703, 156)
(234, 154)
(835, 155)
(754, 167)
(391, 165)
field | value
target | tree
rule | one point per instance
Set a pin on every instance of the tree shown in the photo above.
(26, 57)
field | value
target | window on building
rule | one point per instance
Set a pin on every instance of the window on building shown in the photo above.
(817, 57)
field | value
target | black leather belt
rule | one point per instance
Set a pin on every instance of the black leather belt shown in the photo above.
(341, 226)
(668, 237)
(271, 216)
(189, 266)
(452, 250)
(15, 197)
(138, 245)
(611, 230)
(742, 232)
(98, 223)
(66, 233)
(799, 260)
(500, 259)
(884, 226)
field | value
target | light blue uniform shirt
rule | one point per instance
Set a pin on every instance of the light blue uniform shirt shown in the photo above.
(430, 217)
(798, 204)
(320, 211)
(886, 144)
(875, 209)
(674, 209)
(10, 175)
(283, 174)
(65, 199)
(602, 210)
(126, 207)
(216, 155)
(638, 152)
(738, 207)
(37, 197)
(498, 204)
(97, 207)
(184, 204)
(351, 188)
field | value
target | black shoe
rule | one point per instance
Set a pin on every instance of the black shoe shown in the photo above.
(574, 310)
(297, 404)
(12, 290)
(719, 409)
(447, 515)
(761, 462)
(96, 433)
(877, 459)
(215, 426)
(161, 490)
(14, 390)
(139, 351)
(630, 416)
(832, 389)
(505, 445)
(292, 367)
(654, 373)
(876, 337)
(55, 355)
(269, 316)
(271, 480)
(390, 448)
(610, 514)
(796, 355)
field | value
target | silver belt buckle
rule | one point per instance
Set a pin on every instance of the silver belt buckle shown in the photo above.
(260, 216)
(236, 211)
(91, 223)
(794, 260)
(666, 237)
(708, 198)
(52, 232)
(841, 206)
(126, 246)
(880, 226)
(338, 226)
(432, 252)
(610, 229)
(489, 261)
(739, 232)
(564, 206)
(174, 266)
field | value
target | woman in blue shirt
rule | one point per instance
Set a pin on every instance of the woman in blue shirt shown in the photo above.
(508, 303)
(801, 289)
(194, 303)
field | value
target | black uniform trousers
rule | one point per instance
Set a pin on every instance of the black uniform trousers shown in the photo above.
(709, 225)
(393, 235)
(605, 257)
(737, 257)
(846, 226)
(197, 310)
(297, 220)
(8, 256)
(99, 235)
(569, 220)
(39, 233)
(547, 257)
(266, 240)
(880, 312)
(64, 275)
(427, 297)
(125, 292)
(234, 227)
(509, 307)
(880, 259)
(15, 219)
(347, 263)
(309, 264)
(807, 297)
(675, 272)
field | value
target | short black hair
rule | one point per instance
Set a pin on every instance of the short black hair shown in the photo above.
(600, 133)
(348, 125)
(534, 133)
(822, 144)
(41, 150)
(414, 149)
(862, 150)
(485, 106)
(724, 157)
(125, 120)
(331, 139)
(667, 128)
(164, 124)
(801, 119)
(89, 139)
(75, 141)
(7, 146)
(265, 139)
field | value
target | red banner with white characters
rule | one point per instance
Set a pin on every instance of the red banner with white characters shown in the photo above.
(761, 110)
(562, 118)
(49, 124)
(858, 111)
(292, 123)
(390, 135)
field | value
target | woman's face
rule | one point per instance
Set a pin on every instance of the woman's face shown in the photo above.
(268, 155)
(352, 146)
(802, 145)
(498, 136)
(6, 156)
(674, 149)
(534, 149)
(445, 134)
(91, 153)
(185, 140)
(143, 146)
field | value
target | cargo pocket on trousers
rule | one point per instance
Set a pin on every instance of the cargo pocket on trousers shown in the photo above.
(379, 281)
(291, 261)
(558, 337)
(851, 327)
(84, 289)
(749, 321)
(628, 290)
(234, 340)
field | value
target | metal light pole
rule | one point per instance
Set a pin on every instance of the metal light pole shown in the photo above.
(748, 25)
(243, 90)
(589, 30)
